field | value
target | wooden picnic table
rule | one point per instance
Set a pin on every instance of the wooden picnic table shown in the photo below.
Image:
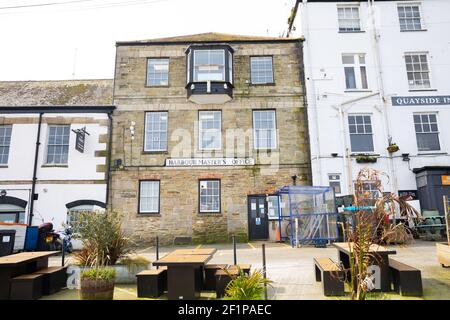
(18, 264)
(184, 274)
(380, 259)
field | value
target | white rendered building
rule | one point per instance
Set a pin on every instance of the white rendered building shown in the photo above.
(378, 73)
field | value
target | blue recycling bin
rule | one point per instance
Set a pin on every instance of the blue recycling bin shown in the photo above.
(31, 238)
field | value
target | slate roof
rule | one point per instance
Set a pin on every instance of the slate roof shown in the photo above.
(56, 93)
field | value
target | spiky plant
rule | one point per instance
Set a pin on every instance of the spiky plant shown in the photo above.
(246, 287)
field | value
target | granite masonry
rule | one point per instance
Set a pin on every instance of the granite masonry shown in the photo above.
(232, 86)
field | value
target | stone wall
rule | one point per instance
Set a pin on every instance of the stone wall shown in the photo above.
(179, 216)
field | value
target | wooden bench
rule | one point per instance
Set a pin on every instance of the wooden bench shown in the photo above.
(152, 283)
(407, 280)
(331, 276)
(244, 267)
(209, 281)
(54, 278)
(223, 278)
(26, 287)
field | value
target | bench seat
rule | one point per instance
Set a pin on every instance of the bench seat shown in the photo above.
(152, 283)
(53, 279)
(331, 276)
(209, 281)
(407, 280)
(244, 267)
(26, 287)
(223, 278)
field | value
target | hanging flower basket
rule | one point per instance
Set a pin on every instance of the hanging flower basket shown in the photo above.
(393, 148)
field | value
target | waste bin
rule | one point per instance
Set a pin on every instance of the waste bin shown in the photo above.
(7, 238)
(31, 238)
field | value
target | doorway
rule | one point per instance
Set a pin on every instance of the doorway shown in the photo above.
(258, 221)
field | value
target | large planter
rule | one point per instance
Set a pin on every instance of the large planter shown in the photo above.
(96, 289)
(124, 274)
(443, 253)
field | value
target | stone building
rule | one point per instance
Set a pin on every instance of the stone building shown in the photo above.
(206, 128)
(53, 149)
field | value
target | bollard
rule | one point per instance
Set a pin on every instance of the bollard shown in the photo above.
(264, 269)
(63, 252)
(234, 250)
(157, 250)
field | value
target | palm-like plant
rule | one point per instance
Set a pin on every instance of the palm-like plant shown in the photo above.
(247, 287)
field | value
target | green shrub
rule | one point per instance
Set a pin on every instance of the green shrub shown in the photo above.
(247, 287)
(104, 241)
(98, 274)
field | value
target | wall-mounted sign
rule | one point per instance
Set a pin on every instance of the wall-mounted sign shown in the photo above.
(408, 194)
(81, 138)
(420, 101)
(445, 180)
(202, 162)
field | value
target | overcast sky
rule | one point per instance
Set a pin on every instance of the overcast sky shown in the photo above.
(51, 42)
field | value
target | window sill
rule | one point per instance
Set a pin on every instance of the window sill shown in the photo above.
(368, 153)
(272, 84)
(209, 214)
(154, 86)
(430, 153)
(266, 150)
(147, 214)
(155, 152)
(3, 166)
(420, 30)
(356, 31)
(357, 90)
(419, 90)
(55, 166)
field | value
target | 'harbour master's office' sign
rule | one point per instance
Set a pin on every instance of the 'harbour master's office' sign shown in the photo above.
(203, 162)
(420, 101)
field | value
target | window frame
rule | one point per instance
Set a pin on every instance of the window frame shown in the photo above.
(145, 132)
(200, 147)
(224, 71)
(8, 147)
(415, 87)
(140, 212)
(349, 6)
(46, 163)
(273, 71)
(428, 113)
(356, 66)
(199, 196)
(356, 124)
(275, 147)
(146, 73)
(411, 4)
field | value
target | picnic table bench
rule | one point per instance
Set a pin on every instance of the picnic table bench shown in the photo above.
(407, 280)
(330, 275)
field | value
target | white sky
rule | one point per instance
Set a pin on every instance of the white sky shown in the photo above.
(39, 43)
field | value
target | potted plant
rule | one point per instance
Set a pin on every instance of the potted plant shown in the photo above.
(393, 147)
(247, 287)
(443, 248)
(364, 158)
(97, 283)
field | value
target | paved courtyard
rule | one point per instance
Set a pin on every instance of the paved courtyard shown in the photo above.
(291, 270)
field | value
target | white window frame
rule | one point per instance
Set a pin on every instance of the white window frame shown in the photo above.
(216, 131)
(152, 76)
(345, 8)
(150, 132)
(5, 144)
(360, 133)
(219, 195)
(152, 197)
(62, 144)
(410, 5)
(209, 65)
(441, 147)
(357, 66)
(274, 134)
(413, 86)
(255, 63)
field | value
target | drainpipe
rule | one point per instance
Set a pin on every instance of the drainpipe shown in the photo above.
(108, 160)
(33, 183)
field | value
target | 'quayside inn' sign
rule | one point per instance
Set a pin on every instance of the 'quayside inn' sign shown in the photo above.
(204, 162)
(421, 101)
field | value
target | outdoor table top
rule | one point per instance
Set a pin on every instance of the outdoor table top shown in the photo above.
(22, 257)
(374, 248)
(183, 260)
(193, 252)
